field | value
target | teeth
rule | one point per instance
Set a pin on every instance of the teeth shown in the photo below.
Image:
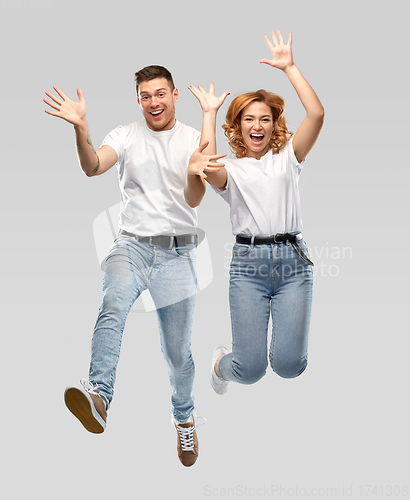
(257, 135)
(156, 112)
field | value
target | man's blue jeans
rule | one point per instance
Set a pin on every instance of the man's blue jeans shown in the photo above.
(170, 276)
(268, 279)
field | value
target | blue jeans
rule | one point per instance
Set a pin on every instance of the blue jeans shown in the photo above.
(170, 276)
(268, 279)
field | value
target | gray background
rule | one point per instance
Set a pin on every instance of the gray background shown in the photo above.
(337, 430)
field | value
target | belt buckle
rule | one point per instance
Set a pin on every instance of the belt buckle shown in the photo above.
(274, 237)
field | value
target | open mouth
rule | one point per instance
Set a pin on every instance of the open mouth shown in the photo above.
(257, 138)
(156, 112)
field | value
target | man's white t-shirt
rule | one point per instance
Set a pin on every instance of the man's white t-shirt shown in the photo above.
(151, 173)
(263, 194)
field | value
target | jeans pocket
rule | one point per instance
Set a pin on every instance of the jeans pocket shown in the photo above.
(186, 252)
(240, 250)
(303, 252)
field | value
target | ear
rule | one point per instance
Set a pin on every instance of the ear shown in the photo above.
(139, 102)
(175, 94)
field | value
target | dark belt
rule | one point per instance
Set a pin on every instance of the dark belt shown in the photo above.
(276, 238)
(165, 241)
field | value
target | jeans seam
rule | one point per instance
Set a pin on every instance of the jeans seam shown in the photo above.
(273, 339)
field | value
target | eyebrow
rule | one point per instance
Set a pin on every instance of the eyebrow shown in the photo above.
(157, 90)
(252, 116)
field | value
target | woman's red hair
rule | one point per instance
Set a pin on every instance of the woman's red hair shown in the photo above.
(232, 127)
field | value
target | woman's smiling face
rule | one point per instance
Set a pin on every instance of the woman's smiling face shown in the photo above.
(257, 126)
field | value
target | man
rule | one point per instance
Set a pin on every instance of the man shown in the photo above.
(155, 248)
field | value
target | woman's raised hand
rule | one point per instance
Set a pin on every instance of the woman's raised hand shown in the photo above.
(282, 56)
(208, 100)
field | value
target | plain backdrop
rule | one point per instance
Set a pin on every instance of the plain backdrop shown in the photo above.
(339, 430)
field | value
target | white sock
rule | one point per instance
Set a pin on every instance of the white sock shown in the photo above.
(184, 421)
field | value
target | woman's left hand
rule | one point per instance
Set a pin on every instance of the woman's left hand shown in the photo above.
(282, 57)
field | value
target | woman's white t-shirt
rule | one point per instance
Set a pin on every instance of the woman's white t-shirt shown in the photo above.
(263, 194)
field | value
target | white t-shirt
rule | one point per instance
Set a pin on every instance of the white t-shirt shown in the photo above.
(151, 174)
(263, 194)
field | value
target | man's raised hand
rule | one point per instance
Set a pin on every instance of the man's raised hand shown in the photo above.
(70, 111)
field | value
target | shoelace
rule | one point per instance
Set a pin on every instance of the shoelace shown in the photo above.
(186, 435)
(89, 387)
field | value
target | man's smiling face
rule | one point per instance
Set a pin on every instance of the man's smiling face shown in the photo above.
(157, 102)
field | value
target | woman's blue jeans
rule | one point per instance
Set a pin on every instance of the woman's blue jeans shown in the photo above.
(169, 275)
(268, 280)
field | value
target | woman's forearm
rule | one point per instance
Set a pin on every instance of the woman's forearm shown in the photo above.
(307, 95)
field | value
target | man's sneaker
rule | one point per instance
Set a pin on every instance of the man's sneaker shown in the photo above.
(187, 442)
(219, 385)
(87, 405)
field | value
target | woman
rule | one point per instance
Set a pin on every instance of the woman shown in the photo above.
(270, 270)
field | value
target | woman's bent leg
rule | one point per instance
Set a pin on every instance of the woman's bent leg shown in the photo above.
(249, 297)
(291, 312)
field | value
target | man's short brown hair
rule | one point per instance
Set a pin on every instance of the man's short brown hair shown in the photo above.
(150, 73)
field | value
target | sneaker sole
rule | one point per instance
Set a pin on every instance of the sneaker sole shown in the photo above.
(82, 407)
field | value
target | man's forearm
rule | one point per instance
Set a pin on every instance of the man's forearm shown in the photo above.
(194, 190)
(87, 156)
